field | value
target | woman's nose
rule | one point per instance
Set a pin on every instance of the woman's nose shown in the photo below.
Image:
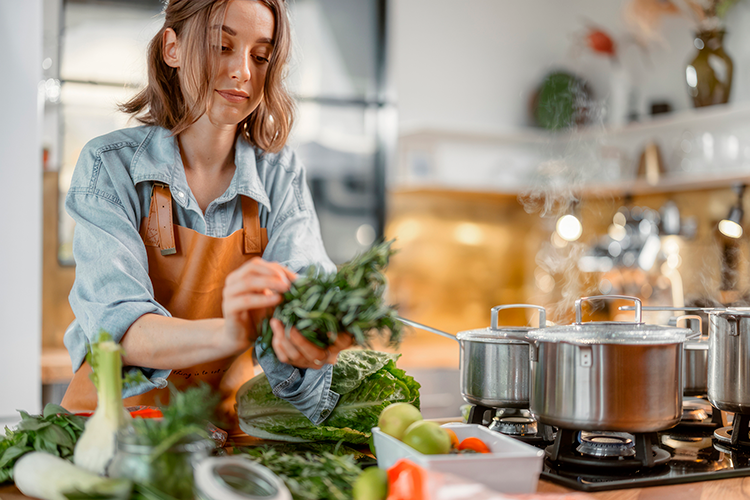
(240, 69)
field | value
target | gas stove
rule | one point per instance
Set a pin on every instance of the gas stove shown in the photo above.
(599, 461)
(517, 423)
(699, 448)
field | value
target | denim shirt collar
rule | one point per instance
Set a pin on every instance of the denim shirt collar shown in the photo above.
(158, 159)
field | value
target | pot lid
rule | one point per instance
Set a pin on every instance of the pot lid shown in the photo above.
(605, 332)
(502, 335)
(610, 333)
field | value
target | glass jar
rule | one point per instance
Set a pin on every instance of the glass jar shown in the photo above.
(709, 74)
(170, 471)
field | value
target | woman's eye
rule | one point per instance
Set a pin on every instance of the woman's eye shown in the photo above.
(224, 48)
(261, 59)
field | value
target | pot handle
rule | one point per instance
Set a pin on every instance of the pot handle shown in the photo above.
(638, 306)
(426, 328)
(696, 334)
(542, 313)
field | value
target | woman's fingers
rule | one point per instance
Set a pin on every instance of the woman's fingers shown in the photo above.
(238, 303)
(256, 275)
(284, 350)
(297, 350)
(343, 341)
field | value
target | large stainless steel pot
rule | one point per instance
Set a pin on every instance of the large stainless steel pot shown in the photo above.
(729, 360)
(607, 376)
(494, 361)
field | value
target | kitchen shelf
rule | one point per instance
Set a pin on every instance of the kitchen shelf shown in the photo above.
(707, 117)
(705, 148)
(668, 184)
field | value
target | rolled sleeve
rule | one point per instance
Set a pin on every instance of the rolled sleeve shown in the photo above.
(309, 391)
(112, 288)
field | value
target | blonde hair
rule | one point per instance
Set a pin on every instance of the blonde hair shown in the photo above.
(165, 103)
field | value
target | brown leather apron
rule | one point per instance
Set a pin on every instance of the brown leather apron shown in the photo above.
(187, 270)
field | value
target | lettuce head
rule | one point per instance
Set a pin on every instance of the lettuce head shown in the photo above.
(366, 380)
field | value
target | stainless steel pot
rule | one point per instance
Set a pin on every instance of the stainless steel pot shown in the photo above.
(694, 358)
(729, 360)
(494, 361)
(613, 376)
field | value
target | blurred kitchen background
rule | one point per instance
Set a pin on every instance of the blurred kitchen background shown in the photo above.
(519, 152)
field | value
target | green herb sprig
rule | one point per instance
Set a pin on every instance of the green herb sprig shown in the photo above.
(310, 476)
(349, 300)
(55, 431)
(184, 421)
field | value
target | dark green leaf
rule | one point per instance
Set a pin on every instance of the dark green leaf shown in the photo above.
(51, 410)
(32, 424)
(12, 453)
(40, 444)
(57, 436)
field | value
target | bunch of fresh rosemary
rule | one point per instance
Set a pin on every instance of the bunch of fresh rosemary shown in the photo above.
(349, 300)
(326, 475)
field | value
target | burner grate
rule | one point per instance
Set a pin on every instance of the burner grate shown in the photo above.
(738, 435)
(565, 452)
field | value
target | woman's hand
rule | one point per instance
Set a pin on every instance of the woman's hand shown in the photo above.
(249, 292)
(297, 351)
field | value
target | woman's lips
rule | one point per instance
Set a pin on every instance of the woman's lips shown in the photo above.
(231, 96)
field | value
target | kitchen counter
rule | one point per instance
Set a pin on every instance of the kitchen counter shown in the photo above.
(730, 489)
(725, 489)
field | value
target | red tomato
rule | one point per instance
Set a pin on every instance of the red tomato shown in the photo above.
(474, 444)
(600, 42)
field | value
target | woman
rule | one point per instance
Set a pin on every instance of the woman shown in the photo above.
(189, 228)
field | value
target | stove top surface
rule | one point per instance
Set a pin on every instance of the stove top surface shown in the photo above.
(693, 455)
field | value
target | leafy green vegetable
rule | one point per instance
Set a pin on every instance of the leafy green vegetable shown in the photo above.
(367, 382)
(310, 476)
(55, 431)
(350, 300)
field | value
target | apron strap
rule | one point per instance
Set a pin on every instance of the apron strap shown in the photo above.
(251, 226)
(160, 218)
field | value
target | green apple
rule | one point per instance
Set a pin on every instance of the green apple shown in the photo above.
(427, 438)
(372, 484)
(395, 418)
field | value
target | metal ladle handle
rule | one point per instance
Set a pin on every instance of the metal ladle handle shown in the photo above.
(673, 308)
(426, 328)
(542, 313)
(638, 306)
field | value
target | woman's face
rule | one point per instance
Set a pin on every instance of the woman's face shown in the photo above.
(246, 47)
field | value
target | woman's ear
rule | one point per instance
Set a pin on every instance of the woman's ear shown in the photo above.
(170, 48)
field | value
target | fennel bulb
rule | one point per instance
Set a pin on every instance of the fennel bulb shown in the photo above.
(42, 475)
(97, 445)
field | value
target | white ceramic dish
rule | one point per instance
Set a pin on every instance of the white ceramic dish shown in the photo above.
(511, 467)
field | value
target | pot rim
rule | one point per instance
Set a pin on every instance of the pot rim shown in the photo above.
(732, 311)
(610, 333)
(513, 335)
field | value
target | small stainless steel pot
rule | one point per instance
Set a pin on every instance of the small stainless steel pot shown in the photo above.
(611, 376)
(494, 361)
(694, 359)
(729, 360)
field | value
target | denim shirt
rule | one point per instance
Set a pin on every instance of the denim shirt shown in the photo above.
(110, 193)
